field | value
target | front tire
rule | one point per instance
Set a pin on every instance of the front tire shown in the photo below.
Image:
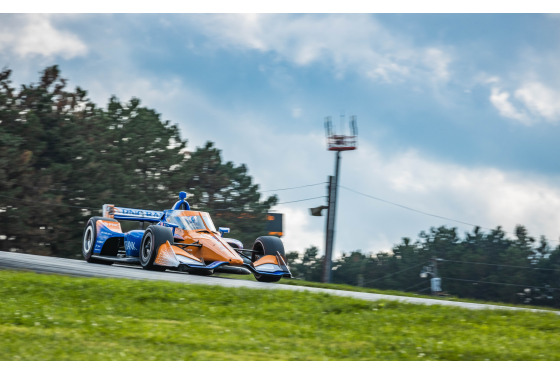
(267, 278)
(153, 238)
(267, 246)
(202, 272)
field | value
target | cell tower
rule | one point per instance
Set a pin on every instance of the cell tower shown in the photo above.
(337, 140)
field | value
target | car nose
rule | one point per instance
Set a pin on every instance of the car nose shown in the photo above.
(236, 261)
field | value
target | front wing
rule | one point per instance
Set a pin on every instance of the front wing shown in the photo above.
(174, 257)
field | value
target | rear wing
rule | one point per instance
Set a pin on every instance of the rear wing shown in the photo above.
(128, 214)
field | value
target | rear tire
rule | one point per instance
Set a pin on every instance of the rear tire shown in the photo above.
(90, 238)
(154, 236)
(267, 246)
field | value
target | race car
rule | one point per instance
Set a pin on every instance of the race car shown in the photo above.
(179, 239)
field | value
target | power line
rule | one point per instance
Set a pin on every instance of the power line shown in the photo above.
(509, 266)
(293, 188)
(412, 209)
(295, 201)
(397, 272)
(297, 187)
(35, 202)
(465, 280)
(423, 289)
(498, 283)
(426, 213)
(416, 285)
(90, 208)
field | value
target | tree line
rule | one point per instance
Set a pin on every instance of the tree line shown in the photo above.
(480, 265)
(62, 157)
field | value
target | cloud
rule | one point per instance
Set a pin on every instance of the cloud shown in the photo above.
(356, 43)
(540, 100)
(299, 232)
(29, 35)
(482, 196)
(501, 101)
(153, 94)
(530, 103)
(297, 112)
(438, 61)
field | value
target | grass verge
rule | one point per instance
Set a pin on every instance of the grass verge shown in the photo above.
(51, 317)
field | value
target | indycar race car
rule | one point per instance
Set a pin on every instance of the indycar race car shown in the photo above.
(179, 239)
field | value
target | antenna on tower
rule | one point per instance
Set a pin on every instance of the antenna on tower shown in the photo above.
(342, 141)
(353, 126)
(328, 126)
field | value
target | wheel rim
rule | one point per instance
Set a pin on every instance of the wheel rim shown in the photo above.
(259, 254)
(147, 248)
(88, 240)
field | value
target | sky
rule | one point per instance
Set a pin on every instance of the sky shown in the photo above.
(458, 114)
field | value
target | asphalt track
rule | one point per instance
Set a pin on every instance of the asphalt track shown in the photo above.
(55, 265)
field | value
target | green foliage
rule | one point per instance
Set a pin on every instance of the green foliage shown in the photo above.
(309, 267)
(62, 158)
(50, 317)
(225, 191)
(482, 266)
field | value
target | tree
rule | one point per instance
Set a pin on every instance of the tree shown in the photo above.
(350, 268)
(486, 266)
(225, 191)
(61, 158)
(36, 135)
(309, 267)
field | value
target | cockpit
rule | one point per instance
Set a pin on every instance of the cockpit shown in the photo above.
(191, 220)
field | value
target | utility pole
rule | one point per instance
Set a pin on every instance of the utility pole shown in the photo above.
(432, 271)
(338, 143)
(435, 282)
(329, 230)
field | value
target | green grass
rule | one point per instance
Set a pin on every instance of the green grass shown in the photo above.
(51, 317)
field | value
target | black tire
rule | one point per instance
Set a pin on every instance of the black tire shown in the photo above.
(232, 270)
(203, 272)
(89, 239)
(265, 278)
(154, 236)
(267, 245)
(264, 246)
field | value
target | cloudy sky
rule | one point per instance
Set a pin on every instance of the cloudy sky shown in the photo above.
(458, 114)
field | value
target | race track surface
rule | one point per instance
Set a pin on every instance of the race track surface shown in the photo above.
(55, 265)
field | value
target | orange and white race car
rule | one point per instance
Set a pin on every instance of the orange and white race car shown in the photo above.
(179, 239)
